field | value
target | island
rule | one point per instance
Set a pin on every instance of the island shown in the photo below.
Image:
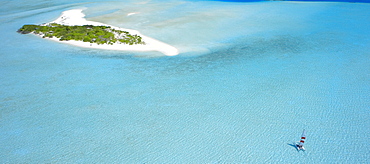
(72, 28)
(85, 33)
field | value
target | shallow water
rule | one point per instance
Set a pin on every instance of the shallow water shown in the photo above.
(250, 78)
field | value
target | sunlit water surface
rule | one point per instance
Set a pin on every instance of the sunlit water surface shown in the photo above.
(250, 77)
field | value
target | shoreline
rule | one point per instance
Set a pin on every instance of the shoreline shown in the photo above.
(75, 17)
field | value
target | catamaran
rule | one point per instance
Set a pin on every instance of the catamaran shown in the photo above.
(299, 145)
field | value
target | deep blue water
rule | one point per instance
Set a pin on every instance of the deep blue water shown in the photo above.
(250, 77)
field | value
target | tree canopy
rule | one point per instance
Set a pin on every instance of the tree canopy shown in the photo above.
(85, 33)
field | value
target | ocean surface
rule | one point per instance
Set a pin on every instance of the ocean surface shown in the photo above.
(250, 77)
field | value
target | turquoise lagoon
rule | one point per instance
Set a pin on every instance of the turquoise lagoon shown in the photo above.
(250, 77)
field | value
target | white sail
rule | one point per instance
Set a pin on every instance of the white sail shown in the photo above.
(303, 137)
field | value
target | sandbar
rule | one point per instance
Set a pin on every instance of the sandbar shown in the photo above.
(75, 17)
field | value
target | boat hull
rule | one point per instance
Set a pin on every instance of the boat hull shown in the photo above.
(298, 147)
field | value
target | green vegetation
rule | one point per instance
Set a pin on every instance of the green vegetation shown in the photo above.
(86, 33)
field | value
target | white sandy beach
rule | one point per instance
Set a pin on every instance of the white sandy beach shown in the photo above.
(76, 17)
